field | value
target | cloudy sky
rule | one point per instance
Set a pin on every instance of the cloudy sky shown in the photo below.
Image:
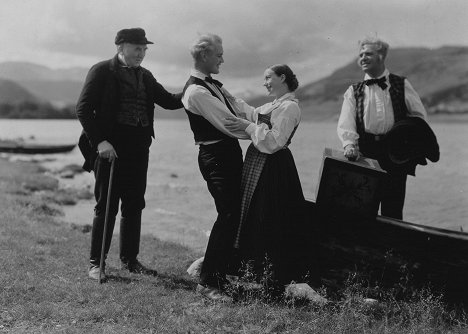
(313, 36)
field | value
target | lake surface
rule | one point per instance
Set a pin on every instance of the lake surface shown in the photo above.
(179, 207)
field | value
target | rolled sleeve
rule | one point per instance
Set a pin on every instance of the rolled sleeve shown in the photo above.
(413, 102)
(346, 128)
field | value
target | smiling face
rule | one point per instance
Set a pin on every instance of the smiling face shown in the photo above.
(274, 84)
(371, 61)
(133, 53)
(212, 59)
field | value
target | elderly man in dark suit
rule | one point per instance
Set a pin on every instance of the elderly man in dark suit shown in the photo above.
(370, 109)
(116, 110)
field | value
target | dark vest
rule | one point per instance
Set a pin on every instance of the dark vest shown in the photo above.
(397, 95)
(378, 150)
(202, 129)
(133, 98)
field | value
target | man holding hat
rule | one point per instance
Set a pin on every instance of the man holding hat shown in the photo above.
(370, 110)
(116, 110)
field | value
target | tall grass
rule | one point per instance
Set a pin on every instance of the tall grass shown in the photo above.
(44, 286)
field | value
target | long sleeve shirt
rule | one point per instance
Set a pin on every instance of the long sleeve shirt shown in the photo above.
(199, 101)
(378, 110)
(285, 117)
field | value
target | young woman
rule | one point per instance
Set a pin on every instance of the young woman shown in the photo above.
(272, 207)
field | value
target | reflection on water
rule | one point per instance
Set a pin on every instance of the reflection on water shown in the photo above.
(438, 196)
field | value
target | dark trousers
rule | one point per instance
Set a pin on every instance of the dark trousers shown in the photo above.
(221, 167)
(128, 187)
(393, 196)
(394, 184)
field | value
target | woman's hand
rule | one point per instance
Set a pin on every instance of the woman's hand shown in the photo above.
(236, 124)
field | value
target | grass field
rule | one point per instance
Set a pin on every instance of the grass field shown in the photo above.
(44, 286)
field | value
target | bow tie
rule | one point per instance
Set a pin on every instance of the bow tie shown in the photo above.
(213, 81)
(380, 82)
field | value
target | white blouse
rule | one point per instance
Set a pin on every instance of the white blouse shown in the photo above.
(285, 117)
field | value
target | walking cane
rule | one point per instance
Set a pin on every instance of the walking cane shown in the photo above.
(106, 220)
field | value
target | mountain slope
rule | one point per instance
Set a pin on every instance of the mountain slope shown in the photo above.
(24, 71)
(58, 93)
(13, 93)
(439, 75)
(59, 86)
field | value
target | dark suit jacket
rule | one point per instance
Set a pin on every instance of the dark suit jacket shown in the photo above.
(99, 102)
(410, 142)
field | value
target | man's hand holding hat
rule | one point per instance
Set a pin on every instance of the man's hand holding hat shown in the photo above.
(351, 152)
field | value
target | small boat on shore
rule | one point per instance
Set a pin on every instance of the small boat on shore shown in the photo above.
(350, 241)
(388, 253)
(33, 148)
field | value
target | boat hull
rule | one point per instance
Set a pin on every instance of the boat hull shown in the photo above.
(389, 253)
(36, 148)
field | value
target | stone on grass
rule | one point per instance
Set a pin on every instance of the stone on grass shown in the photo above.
(195, 268)
(304, 291)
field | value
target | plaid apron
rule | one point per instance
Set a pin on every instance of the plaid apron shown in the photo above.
(251, 172)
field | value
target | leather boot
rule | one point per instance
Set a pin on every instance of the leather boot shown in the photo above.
(130, 229)
(96, 239)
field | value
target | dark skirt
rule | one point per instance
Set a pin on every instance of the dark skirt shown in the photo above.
(272, 236)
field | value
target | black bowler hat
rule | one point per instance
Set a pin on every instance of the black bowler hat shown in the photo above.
(411, 140)
(132, 35)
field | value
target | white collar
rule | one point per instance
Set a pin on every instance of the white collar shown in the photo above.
(123, 63)
(198, 74)
(284, 97)
(384, 74)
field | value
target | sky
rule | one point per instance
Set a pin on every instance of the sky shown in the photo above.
(314, 37)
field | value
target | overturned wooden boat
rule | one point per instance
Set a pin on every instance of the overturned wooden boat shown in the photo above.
(352, 242)
(389, 253)
(34, 148)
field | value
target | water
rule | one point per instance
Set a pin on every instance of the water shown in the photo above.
(41, 131)
(179, 207)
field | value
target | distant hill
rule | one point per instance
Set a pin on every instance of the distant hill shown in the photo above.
(13, 93)
(24, 71)
(58, 86)
(440, 76)
(59, 93)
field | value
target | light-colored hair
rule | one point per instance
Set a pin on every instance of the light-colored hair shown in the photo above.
(204, 43)
(381, 46)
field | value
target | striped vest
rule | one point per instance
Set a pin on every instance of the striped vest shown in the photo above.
(397, 95)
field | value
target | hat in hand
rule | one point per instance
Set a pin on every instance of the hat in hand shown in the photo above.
(132, 35)
(410, 140)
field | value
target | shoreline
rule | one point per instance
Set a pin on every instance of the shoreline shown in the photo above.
(45, 288)
(158, 219)
(179, 208)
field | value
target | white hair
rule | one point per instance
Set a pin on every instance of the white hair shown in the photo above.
(204, 43)
(381, 46)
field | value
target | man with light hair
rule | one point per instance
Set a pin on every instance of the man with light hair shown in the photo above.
(207, 105)
(116, 110)
(369, 111)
